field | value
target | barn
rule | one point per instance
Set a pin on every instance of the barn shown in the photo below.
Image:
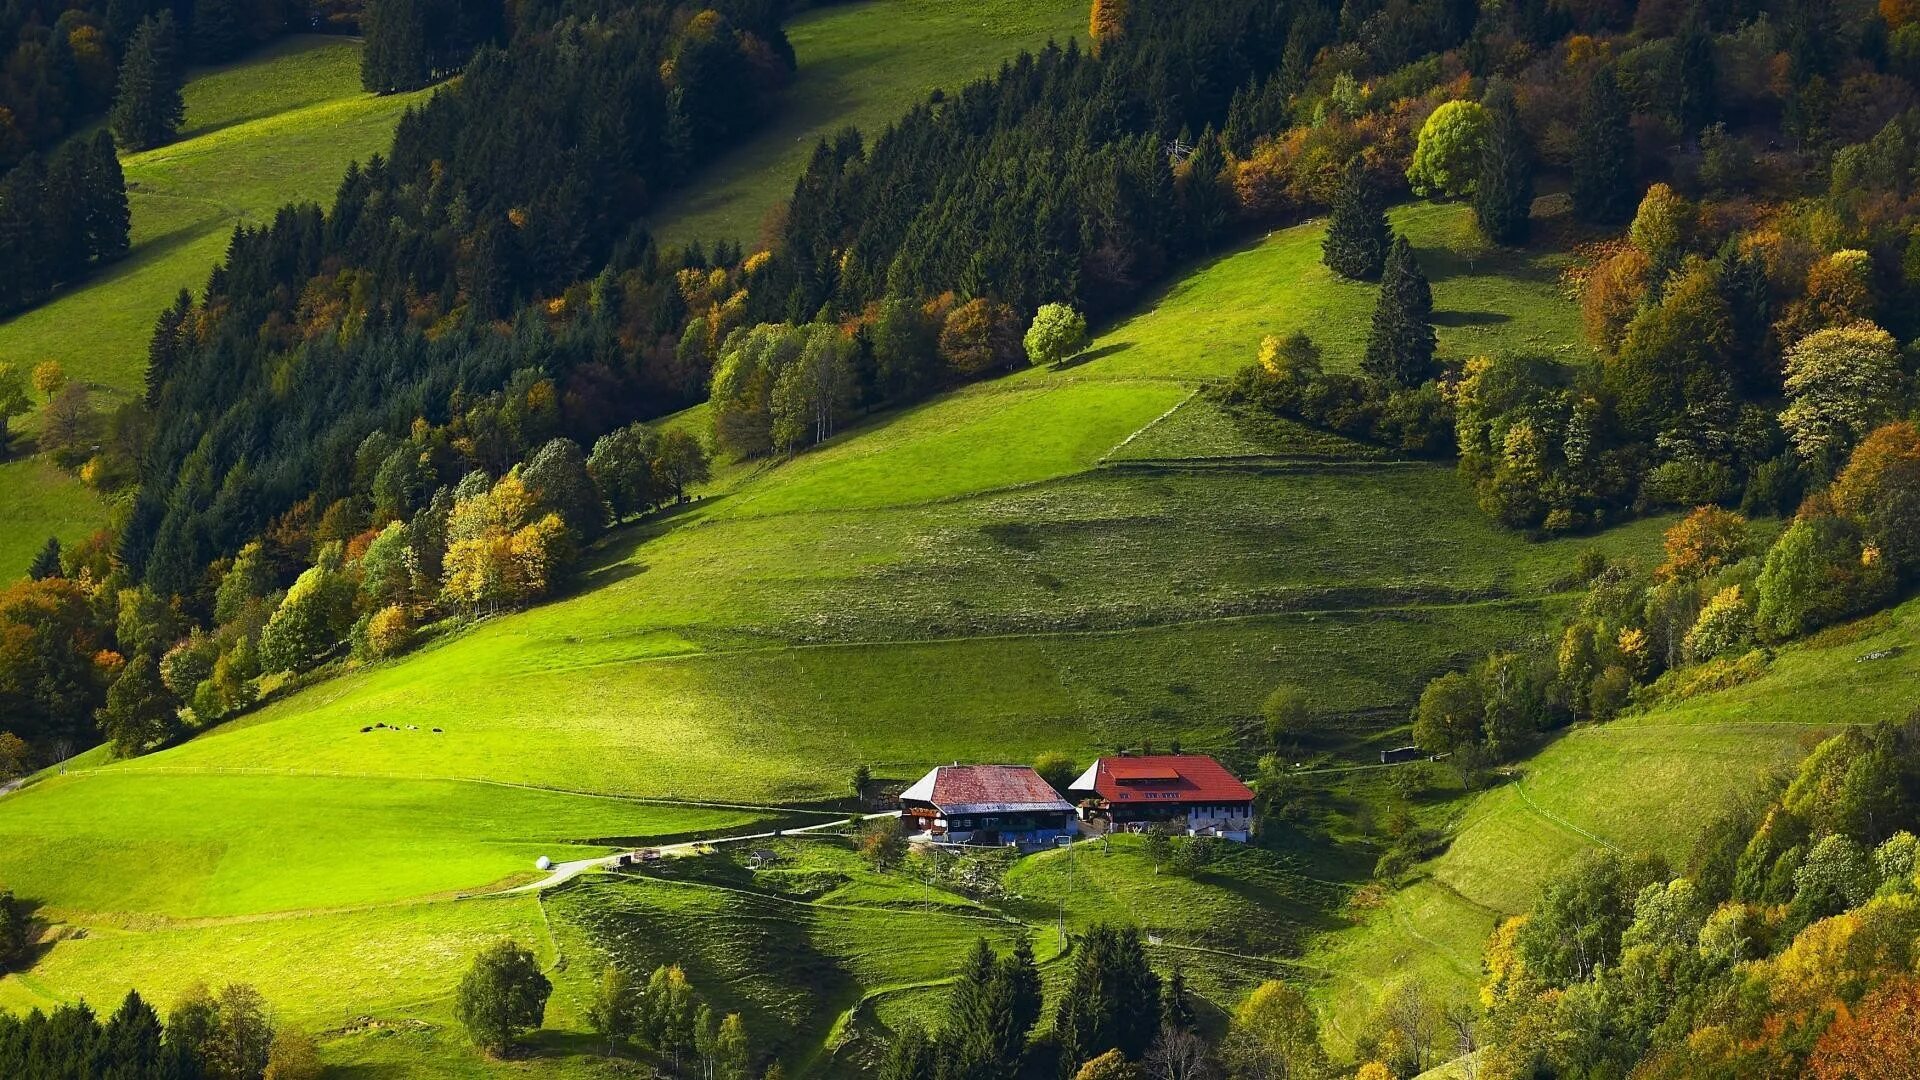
(986, 804)
(1192, 792)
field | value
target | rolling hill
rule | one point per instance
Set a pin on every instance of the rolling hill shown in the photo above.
(1063, 559)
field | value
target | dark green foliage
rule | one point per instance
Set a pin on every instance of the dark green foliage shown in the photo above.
(47, 563)
(1604, 192)
(557, 477)
(147, 107)
(502, 995)
(1401, 343)
(411, 43)
(131, 1044)
(1204, 198)
(59, 219)
(1176, 1004)
(1357, 239)
(1503, 197)
(140, 711)
(1576, 924)
(1697, 104)
(911, 1056)
(1112, 1001)
(996, 1002)
(13, 930)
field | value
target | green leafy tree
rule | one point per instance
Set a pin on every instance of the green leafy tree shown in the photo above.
(558, 479)
(139, 713)
(1401, 342)
(682, 462)
(1836, 875)
(1503, 192)
(1058, 769)
(905, 349)
(1356, 243)
(147, 107)
(731, 1050)
(1057, 334)
(1880, 491)
(621, 467)
(292, 1056)
(1814, 575)
(1450, 713)
(1603, 190)
(314, 617)
(241, 1042)
(667, 1013)
(15, 398)
(1447, 159)
(614, 1012)
(503, 995)
(1842, 382)
(1287, 714)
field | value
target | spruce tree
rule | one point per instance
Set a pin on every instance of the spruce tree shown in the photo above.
(1603, 155)
(1697, 104)
(219, 30)
(108, 219)
(46, 564)
(395, 56)
(1401, 343)
(1356, 242)
(1503, 198)
(147, 107)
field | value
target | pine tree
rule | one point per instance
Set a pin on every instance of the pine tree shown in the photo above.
(219, 30)
(47, 563)
(108, 219)
(1697, 104)
(1356, 242)
(169, 343)
(1401, 343)
(147, 107)
(1603, 191)
(1204, 196)
(1503, 198)
(395, 56)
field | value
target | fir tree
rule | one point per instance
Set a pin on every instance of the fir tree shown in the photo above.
(1204, 196)
(108, 220)
(147, 107)
(1697, 104)
(1356, 242)
(219, 30)
(395, 56)
(1603, 155)
(168, 344)
(1503, 198)
(1401, 343)
(46, 564)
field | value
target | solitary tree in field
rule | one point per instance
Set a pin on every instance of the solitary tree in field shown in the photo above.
(147, 107)
(502, 996)
(1603, 154)
(1287, 713)
(1058, 332)
(1503, 197)
(1356, 242)
(48, 378)
(1401, 344)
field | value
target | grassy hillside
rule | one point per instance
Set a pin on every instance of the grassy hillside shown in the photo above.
(279, 126)
(1066, 559)
(861, 64)
(1645, 782)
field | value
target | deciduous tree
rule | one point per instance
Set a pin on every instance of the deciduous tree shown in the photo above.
(1058, 333)
(503, 995)
(1447, 159)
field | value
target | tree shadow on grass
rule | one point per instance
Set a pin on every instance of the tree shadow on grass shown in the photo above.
(1470, 318)
(1091, 355)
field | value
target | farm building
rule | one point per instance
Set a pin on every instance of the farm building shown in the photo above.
(1191, 791)
(985, 804)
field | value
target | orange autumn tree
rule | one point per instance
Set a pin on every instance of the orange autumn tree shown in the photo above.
(1703, 542)
(1107, 22)
(1878, 1038)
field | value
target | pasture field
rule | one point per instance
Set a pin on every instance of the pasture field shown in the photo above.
(1645, 782)
(277, 127)
(1078, 559)
(861, 64)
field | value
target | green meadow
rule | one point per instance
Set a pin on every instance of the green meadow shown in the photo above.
(1075, 559)
(861, 64)
(277, 127)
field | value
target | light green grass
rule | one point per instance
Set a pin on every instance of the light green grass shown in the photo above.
(1209, 323)
(192, 845)
(38, 500)
(1645, 782)
(861, 64)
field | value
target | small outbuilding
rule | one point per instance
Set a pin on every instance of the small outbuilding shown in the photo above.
(1192, 792)
(985, 804)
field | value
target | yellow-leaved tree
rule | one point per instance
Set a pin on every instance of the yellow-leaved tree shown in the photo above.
(498, 552)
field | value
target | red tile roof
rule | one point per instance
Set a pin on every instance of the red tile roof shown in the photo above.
(1163, 778)
(990, 788)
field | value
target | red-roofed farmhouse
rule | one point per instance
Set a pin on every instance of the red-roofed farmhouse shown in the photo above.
(1191, 791)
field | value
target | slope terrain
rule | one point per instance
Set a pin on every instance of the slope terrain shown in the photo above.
(1064, 559)
(1645, 782)
(277, 127)
(861, 64)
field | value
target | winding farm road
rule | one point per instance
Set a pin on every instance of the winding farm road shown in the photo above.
(567, 871)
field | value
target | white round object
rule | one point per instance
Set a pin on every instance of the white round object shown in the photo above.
(543, 863)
